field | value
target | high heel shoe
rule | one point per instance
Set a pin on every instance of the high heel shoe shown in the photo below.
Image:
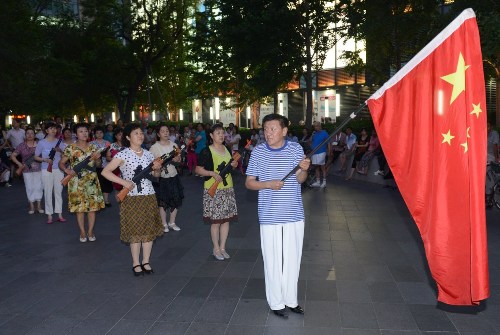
(137, 274)
(146, 271)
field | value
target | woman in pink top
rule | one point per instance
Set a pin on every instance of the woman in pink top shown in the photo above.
(373, 149)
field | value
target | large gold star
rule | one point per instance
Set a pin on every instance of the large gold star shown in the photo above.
(457, 78)
(477, 109)
(447, 137)
(466, 146)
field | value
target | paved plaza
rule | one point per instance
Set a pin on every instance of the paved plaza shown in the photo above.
(363, 272)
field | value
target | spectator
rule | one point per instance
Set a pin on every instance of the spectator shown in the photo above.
(106, 185)
(192, 159)
(115, 148)
(31, 172)
(291, 137)
(200, 138)
(149, 137)
(108, 136)
(493, 144)
(40, 135)
(361, 147)
(305, 140)
(373, 150)
(15, 136)
(337, 146)
(235, 145)
(4, 174)
(67, 138)
(349, 148)
(318, 159)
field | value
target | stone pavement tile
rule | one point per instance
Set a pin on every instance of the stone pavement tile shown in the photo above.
(50, 303)
(182, 309)
(95, 326)
(429, 318)
(361, 235)
(20, 324)
(229, 288)
(22, 300)
(321, 314)
(258, 270)
(317, 257)
(345, 258)
(199, 287)
(131, 327)
(321, 290)
(170, 328)
(255, 289)
(173, 254)
(385, 292)
(150, 307)
(217, 310)
(54, 326)
(185, 268)
(350, 272)
(290, 330)
(403, 332)
(81, 307)
(417, 293)
(169, 285)
(377, 273)
(116, 307)
(6, 317)
(355, 331)
(318, 245)
(394, 317)
(246, 255)
(236, 269)
(200, 328)
(343, 246)
(211, 269)
(137, 285)
(317, 234)
(472, 323)
(244, 330)
(358, 315)
(353, 291)
(9, 277)
(340, 235)
(250, 312)
(320, 272)
(402, 273)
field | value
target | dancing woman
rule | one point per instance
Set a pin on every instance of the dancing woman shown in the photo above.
(140, 222)
(169, 190)
(221, 209)
(84, 191)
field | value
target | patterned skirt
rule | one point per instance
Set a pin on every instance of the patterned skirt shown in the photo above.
(140, 219)
(169, 193)
(221, 208)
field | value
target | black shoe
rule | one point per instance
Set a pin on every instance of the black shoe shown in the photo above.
(146, 271)
(108, 204)
(281, 313)
(137, 274)
(297, 309)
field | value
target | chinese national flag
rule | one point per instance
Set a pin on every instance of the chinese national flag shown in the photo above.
(431, 122)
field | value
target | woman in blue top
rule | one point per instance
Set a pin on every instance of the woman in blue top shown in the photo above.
(200, 138)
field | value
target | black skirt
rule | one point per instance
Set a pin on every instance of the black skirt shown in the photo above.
(106, 185)
(169, 193)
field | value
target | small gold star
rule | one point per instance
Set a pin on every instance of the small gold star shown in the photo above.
(447, 137)
(457, 78)
(466, 146)
(477, 109)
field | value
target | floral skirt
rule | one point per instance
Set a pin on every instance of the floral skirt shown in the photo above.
(221, 208)
(140, 219)
(169, 193)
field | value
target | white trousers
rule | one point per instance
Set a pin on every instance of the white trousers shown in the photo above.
(5, 176)
(52, 184)
(282, 251)
(34, 186)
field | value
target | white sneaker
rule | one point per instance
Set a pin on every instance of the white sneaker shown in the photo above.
(316, 184)
(379, 173)
(323, 184)
(173, 226)
(7, 185)
(166, 230)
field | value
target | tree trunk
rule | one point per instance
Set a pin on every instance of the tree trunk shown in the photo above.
(497, 113)
(309, 100)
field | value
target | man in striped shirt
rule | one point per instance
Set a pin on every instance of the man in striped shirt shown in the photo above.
(281, 212)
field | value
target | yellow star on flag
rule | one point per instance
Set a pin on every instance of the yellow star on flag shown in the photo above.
(457, 78)
(447, 137)
(477, 109)
(466, 146)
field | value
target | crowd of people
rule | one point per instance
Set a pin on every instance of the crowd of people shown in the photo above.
(142, 164)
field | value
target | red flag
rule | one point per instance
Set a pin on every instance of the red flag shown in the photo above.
(431, 122)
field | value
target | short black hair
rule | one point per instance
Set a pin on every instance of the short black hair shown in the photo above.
(50, 124)
(127, 131)
(80, 125)
(98, 128)
(271, 117)
(117, 131)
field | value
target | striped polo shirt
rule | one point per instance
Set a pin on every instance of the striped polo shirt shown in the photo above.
(266, 163)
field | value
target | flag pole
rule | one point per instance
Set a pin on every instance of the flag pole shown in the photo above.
(335, 132)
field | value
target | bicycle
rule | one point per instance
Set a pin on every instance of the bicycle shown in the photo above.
(493, 179)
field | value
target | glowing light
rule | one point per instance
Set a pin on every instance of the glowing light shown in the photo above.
(92, 118)
(75, 118)
(113, 116)
(337, 104)
(132, 116)
(181, 114)
(10, 120)
(153, 115)
(248, 112)
(211, 113)
(327, 112)
(28, 119)
(217, 108)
